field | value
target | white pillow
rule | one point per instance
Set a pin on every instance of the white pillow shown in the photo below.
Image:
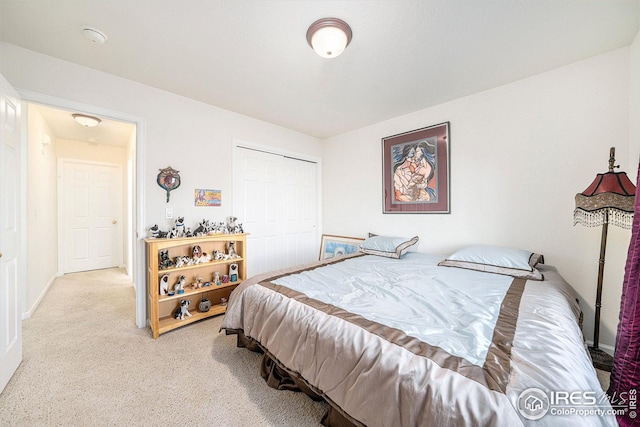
(386, 246)
(497, 259)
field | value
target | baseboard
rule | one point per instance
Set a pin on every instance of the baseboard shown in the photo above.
(29, 313)
(607, 348)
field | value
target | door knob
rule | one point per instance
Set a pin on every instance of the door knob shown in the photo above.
(114, 222)
(0, 254)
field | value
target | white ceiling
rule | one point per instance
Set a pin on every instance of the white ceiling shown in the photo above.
(63, 126)
(252, 57)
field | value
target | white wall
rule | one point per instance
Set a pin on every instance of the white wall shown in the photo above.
(519, 154)
(42, 215)
(192, 137)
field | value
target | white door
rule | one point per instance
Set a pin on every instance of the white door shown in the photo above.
(10, 217)
(91, 213)
(275, 198)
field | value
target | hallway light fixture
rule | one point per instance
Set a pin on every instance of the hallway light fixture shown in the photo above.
(329, 37)
(87, 121)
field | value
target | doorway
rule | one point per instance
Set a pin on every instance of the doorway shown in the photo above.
(99, 166)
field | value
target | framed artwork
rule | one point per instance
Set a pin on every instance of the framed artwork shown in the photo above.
(204, 197)
(415, 171)
(333, 246)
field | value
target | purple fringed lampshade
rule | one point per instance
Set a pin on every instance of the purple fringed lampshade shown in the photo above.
(610, 193)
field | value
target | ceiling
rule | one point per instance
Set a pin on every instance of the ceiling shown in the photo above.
(108, 132)
(252, 57)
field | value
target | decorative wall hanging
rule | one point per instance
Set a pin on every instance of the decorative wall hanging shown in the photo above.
(208, 197)
(169, 179)
(416, 171)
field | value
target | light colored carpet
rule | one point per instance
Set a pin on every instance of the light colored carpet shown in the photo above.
(85, 363)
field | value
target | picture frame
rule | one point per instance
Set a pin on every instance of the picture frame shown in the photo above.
(207, 197)
(333, 246)
(416, 171)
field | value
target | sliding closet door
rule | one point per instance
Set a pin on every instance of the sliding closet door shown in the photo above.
(275, 198)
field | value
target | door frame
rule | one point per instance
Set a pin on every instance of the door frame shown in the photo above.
(61, 187)
(136, 221)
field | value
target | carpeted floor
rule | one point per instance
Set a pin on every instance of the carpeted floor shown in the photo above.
(85, 363)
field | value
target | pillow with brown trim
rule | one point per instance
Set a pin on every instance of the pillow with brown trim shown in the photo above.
(496, 259)
(386, 246)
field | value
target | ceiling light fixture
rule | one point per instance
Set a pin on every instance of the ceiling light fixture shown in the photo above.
(329, 37)
(87, 121)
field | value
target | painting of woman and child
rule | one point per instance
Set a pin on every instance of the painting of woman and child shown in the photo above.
(416, 171)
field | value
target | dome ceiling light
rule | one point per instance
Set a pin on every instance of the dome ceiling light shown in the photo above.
(86, 121)
(329, 37)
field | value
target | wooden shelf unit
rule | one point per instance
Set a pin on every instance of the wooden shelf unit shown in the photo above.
(162, 307)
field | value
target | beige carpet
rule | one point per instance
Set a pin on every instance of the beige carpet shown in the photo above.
(86, 364)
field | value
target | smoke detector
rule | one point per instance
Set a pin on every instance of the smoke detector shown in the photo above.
(94, 35)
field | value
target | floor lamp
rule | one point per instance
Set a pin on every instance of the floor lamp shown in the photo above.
(608, 200)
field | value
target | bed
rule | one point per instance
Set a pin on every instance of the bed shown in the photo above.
(390, 337)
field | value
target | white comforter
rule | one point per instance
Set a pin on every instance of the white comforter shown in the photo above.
(408, 343)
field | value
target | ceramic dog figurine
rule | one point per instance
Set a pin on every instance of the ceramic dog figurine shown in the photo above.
(182, 310)
(154, 231)
(165, 261)
(179, 286)
(231, 251)
(231, 224)
(179, 226)
(164, 285)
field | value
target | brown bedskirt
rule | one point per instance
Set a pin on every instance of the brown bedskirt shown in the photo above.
(279, 377)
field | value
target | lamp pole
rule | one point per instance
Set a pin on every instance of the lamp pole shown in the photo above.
(603, 248)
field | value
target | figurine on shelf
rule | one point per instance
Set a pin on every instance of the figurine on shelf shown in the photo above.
(196, 253)
(231, 224)
(164, 285)
(178, 288)
(182, 310)
(223, 302)
(199, 255)
(233, 272)
(231, 251)
(155, 232)
(165, 261)
(172, 233)
(179, 226)
(217, 227)
(198, 283)
(188, 233)
(216, 278)
(205, 305)
(182, 261)
(218, 256)
(202, 229)
(238, 229)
